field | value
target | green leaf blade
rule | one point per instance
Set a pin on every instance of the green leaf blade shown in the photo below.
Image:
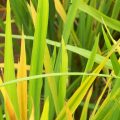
(9, 71)
(38, 53)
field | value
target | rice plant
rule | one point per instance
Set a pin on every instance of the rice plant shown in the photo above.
(60, 59)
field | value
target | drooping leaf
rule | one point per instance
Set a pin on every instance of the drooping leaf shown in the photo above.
(77, 97)
(112, 23)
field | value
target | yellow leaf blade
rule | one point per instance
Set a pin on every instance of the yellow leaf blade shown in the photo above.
(45, 112)
(8, 103)
(60, 10)
(22, 86)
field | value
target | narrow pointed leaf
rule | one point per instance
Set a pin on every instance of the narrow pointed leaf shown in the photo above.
(77, 97)
(45, 112)
(85, 107)
(51, 80)
(9, 73)
(112, 23)
(22, 87)
(38, 54)
(63, 79)
(8, 104)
